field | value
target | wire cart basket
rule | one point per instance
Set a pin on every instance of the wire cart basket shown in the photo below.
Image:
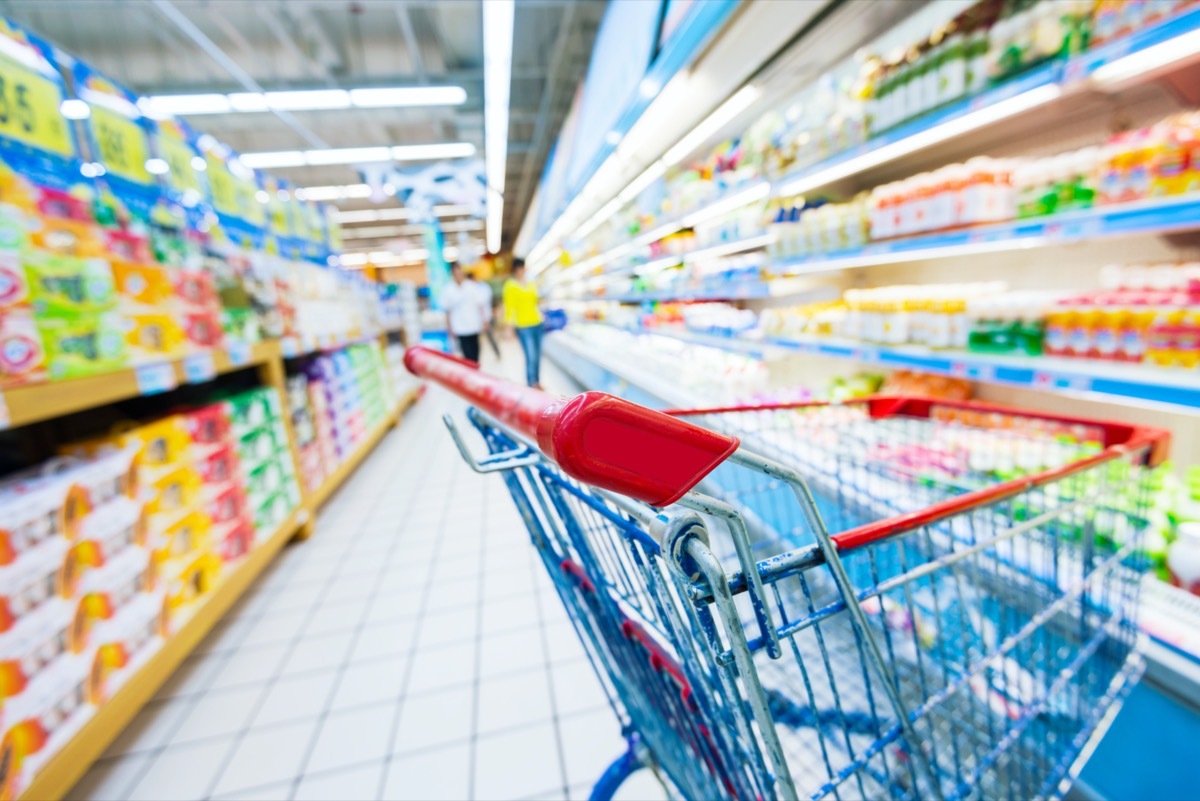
(895, 598)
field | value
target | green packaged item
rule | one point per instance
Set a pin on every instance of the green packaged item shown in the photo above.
(66, 285)
(82, 344)
(252, 409)
(1004, 336)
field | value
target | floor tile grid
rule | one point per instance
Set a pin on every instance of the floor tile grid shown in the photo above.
(358, 633)
(384, 498)
(332, 580)
(192, 700)
(200, 693)
(331, 521)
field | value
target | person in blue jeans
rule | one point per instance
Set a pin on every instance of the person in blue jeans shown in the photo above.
(521, 310)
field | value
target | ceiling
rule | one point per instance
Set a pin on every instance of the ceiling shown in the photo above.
(317, 44)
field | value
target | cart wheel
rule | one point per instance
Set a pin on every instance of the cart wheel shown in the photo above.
(615, 774)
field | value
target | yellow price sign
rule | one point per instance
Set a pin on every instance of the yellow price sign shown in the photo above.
(178, 156)
(279, 215)
(29, 109)
(122, 143)
(252, 209)
(224, 189)
(299, 220)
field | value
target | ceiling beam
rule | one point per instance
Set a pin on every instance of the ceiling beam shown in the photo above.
(218, 55)
(288, 41)
(410, 42)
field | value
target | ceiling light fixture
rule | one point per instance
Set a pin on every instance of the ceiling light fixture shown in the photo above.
(497, 79)
(307, 100)
(358, 155)
(334, 192)
(157, 167)
(390, 96)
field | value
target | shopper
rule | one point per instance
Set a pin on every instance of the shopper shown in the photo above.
(489, 301)
(522, 312)
(466, 312)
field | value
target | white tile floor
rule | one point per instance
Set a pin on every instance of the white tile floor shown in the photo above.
(412, 649)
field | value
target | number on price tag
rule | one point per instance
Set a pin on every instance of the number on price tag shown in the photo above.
(238, 352)
(122, 144)
(199, 368)
(153, 379)
(29, 109)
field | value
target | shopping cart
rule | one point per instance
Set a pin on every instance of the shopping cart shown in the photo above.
(887, 599)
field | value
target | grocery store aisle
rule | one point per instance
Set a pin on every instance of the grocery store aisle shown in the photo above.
(413, 648)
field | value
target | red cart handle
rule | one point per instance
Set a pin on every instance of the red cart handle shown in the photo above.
(594, 437)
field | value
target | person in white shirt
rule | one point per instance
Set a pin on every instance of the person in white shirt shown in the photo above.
(489, 306)
(467, 312)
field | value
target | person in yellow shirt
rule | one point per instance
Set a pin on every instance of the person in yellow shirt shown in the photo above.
(520, 298)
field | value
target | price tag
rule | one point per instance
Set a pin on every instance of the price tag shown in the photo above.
(29, 109)
(199, 368)
(959, 369)
(178, 156)
(253, 211)
(122, 143)
(237, 351)
(154, 379)
(985, 372)
(224, 189)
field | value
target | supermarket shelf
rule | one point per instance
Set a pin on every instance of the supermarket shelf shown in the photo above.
(1143, 218)
(322, 493)
(729, 201)
(1133, 384)
(735, 291)
(60, 773)
(34, 403)
(1042, 85)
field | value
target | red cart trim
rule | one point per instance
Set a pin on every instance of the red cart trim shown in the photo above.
(596, 438)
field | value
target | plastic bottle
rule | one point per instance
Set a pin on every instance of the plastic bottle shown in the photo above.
(952, 69)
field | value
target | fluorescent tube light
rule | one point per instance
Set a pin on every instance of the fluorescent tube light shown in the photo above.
(735, 105)
(180, 105)
(279, 158)
(445, 150)
(923, 139)
(497, 79)
(744, 198)
(334, 192)
(308, 100)
(1150, 59)
(451, 210)
(348, 155)
(349, 259)
(408, 96)
(379, 231)
(358, 155)
(74, 109)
